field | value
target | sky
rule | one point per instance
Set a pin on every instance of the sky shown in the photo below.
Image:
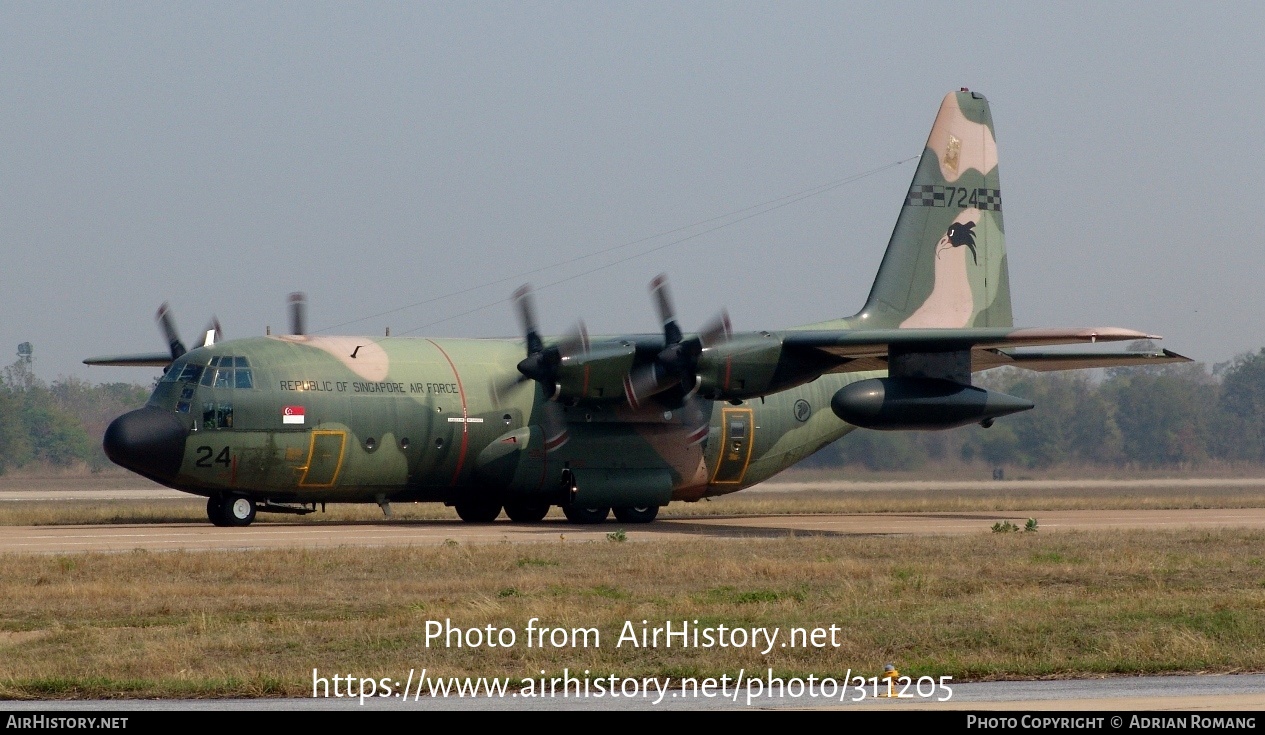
(409, 165)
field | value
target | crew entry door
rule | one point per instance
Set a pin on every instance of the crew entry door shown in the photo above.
(324, 459)
(737, 437)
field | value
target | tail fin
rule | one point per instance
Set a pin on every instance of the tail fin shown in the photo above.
(945, 265)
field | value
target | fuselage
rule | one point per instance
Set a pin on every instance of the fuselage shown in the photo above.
(354, 419)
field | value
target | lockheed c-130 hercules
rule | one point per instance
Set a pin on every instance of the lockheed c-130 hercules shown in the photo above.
(284, 423)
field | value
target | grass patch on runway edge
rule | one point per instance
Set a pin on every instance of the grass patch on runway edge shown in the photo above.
(987, 606)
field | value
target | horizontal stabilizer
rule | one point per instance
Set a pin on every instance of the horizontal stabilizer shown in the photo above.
(873, 342)
(153, 359)
(855, 351)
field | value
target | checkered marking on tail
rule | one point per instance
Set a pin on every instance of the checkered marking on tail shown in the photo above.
(934, 195)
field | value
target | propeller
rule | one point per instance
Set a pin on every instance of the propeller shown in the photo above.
(298, 313)
(542, 364)
(168, 327)
(167, 324)
(677, 363)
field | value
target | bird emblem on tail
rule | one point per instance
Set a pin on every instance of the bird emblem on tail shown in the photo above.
(959, 234)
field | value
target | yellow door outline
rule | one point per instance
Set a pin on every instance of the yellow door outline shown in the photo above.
(311, 452)
(724, 444)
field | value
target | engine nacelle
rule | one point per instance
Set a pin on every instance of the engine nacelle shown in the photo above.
(920, 403)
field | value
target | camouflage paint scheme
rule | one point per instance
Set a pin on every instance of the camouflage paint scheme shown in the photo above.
(398, 419)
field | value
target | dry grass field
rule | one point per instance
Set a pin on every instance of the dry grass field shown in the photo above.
(256, 623)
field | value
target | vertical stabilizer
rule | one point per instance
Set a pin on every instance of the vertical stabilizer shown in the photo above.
(945, 265)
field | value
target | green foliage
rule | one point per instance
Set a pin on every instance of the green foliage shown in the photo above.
(58, 425)
(1004, 527)
(1164, 416)
(875, 450)
(618, 536)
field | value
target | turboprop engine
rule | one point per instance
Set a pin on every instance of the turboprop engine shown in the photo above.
(921, 403)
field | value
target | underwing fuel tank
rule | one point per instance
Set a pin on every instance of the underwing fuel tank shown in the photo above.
(920, 403)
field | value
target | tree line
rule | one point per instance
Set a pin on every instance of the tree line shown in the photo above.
(58, 424)
(1171, 416)
(1163, 417)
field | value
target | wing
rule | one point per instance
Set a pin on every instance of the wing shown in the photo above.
(753, 364)
(153, 359)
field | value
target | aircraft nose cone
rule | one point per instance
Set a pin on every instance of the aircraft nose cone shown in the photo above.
(148, 441)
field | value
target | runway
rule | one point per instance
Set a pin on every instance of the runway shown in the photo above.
(132, 487)
(1206, 695)
(197, 536)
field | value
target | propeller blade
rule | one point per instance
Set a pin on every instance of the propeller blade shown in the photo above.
(646, 381)
(168, 327)
(298, 313)
(212, 334)
(554, 424)
(716, 331)
(527, 318)
(574, 343)
(695, 420)
(667, 315)
(498, 388)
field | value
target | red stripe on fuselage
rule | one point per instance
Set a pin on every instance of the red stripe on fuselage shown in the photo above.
(465, 426)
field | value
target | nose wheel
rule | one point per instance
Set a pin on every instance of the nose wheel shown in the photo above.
(232, 510)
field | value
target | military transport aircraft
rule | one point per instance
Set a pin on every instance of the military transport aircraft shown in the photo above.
(284, 423)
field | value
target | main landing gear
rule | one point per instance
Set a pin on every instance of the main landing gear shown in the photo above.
(634, 514)
(230, 510)
(478, 511)
(534, 511)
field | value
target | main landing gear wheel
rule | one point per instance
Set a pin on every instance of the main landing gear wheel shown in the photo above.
(585, 515)
(525, 511)
(239, 511)
(478, 511)
(632, 514)
(215, 511)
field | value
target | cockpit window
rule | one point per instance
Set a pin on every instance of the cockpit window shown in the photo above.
(228, 371)
(172, 372)
(190, 373)
(182, 372)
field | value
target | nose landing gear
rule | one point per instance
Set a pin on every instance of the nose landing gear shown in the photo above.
(230, 510)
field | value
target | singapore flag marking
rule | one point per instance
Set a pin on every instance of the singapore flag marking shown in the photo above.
(292, 415)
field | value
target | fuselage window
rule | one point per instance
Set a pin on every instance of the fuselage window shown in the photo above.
(224, 377)
(737, 429)
(243, 378)
(217, 416)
